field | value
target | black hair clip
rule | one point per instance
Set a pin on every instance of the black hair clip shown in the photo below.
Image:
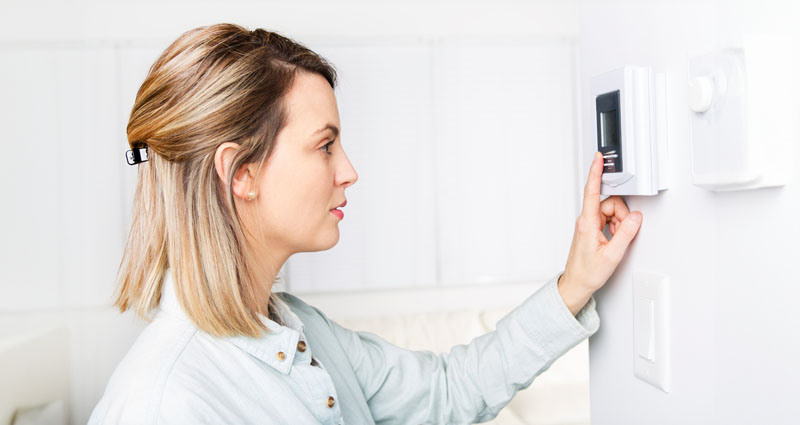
(137, 155)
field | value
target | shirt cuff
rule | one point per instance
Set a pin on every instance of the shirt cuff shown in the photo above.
(549, 322)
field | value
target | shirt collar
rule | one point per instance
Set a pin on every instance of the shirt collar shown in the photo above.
(268, 347)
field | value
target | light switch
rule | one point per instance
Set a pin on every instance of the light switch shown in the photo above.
(645, 339)
(651, 330)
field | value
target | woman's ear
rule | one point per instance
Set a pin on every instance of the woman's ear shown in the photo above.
(243, 181)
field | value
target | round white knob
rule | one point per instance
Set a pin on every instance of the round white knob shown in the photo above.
(701, 93)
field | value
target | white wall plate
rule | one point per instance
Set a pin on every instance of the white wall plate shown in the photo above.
(651, 330)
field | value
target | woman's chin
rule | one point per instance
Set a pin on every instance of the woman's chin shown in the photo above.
(331, 244)
(325, 243)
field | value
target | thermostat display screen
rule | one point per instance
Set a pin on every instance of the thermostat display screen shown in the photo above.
(609, 136)
(609, 133)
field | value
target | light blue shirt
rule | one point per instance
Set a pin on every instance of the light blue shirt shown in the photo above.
(178, 374)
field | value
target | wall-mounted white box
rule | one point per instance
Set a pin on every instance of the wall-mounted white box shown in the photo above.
(630, 118)
(741, 115)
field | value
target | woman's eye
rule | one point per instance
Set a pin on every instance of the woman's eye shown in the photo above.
(326, 147)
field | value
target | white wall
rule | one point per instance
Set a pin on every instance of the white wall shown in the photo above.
(731, 257)
(456, 196)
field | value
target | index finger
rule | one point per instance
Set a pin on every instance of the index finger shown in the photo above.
(591, 194)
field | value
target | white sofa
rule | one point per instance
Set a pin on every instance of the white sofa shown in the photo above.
(34, 375)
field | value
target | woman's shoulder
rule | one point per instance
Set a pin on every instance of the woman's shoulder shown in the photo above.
(136, 387)
(176, 373)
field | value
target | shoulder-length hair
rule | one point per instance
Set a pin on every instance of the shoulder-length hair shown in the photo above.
(214, 84)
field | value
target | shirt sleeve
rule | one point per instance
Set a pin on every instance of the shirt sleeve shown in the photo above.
(472, 382)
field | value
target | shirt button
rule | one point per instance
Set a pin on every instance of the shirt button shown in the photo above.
(331, 402)
(301, 346)
(281, 356)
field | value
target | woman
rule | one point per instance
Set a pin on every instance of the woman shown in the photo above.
(236, 136)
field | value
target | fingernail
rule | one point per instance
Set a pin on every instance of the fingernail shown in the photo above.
(637, 217)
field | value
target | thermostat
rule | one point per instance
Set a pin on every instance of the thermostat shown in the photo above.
(630, 122)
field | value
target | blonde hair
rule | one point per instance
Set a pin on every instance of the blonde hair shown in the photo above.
(212, 85)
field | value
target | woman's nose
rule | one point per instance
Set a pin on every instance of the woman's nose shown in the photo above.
(346, 175)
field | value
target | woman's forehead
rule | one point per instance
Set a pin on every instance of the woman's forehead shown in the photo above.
(311, 103)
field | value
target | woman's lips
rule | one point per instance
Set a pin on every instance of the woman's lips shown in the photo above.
(337, 212)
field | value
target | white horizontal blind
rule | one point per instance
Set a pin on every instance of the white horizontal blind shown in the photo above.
(91, 135)
(387, 237)
(62, 231)
(32, 160)
(505, 142)
(464, 153)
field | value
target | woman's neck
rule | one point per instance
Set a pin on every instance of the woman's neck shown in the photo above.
(266, 266)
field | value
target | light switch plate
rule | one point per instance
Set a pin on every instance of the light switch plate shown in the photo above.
(651, 330)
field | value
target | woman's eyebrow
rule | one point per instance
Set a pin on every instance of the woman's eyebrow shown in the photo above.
(330, 127)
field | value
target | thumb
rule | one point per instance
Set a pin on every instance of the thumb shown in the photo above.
(626, 231)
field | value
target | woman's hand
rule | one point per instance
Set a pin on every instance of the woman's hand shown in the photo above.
(592, 257)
